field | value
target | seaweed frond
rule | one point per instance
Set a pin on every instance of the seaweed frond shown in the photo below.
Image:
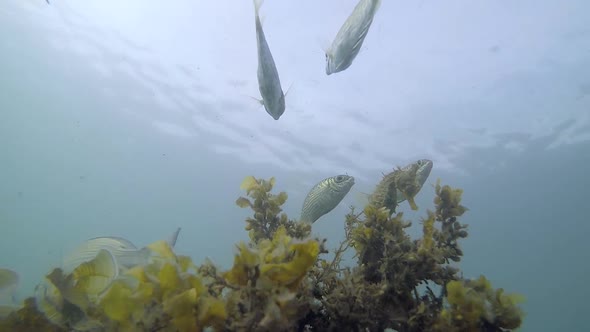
(267, 208)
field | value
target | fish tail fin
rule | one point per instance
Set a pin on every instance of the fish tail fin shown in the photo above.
(172, 239)
(323, 44)
(413, 205)
(377, 4)
(289, 89)
(361, 198)
(304, 221)
(257, 5)
(143, 256)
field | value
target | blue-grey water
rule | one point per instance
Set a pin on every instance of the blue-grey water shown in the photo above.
(132, 118)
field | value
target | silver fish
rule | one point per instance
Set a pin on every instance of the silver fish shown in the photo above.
(350, 37)
(124, 251)
(269, 84)
(325, 196)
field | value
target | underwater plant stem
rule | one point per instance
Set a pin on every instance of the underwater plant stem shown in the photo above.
(344, 245)
(360, 214)
(338, 254)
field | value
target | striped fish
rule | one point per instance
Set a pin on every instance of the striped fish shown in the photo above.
(269, 84)
(325, 196)
(88, 280)
(350, 37)
(124, 251)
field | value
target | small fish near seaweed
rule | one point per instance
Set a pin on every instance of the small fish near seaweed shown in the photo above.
(400, 185)
(166, 294)
(283, 280)
(325, 196)
(124, 251)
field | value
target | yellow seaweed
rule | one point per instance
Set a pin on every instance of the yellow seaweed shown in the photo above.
(243, 202)
(249, 184)
(138, 272)
(162, 250)
(244, 261)
(168, 278)
(8, 279)
(6, 309)
(212, 312)
(49, 302)
(277, 283)
(94, 276)
(291, 271)
(118, 303)
(182, 310)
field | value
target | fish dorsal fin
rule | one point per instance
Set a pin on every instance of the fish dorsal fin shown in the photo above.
(323, 44)
(172, 239)
(289, 89)
(362, 198)
(259, 101)
(257, 5)
(377, 5)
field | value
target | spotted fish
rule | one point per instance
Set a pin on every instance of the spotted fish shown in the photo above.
(325, 196)
(410, 179)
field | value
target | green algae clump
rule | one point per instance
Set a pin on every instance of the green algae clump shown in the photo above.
(283, 279)
(474, 305)
(268, 216)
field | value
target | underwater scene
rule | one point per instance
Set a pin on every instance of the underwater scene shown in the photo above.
(334, 165)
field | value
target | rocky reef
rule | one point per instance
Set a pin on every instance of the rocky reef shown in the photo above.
(284, 279)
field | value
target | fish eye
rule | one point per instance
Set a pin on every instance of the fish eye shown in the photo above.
(339, 178)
